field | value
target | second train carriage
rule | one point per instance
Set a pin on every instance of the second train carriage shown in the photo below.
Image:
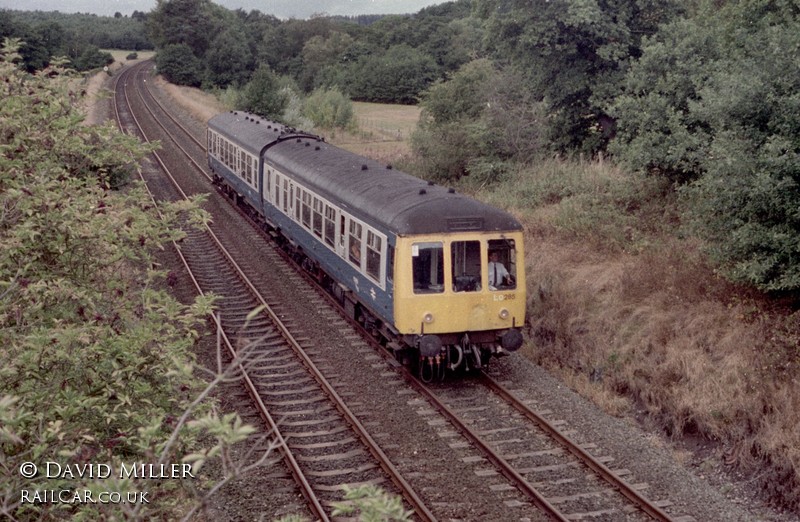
(408, 258)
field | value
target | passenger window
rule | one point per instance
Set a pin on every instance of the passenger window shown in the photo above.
(355, 243)
(317, 217)
(465, 259)
(428, 267)
(330, 225)
(502, 266)
(306, 209)
(373, 256)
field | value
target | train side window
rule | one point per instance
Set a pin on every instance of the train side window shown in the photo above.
(428, 267)
(502, 266)
(330, 225)
(390, 262)
(465, 263)
(297, 204)
(317, 217)
(374, 256)
(355, 243)
(307, 209)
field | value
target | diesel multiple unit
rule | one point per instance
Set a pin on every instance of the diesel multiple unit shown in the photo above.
(408, 259)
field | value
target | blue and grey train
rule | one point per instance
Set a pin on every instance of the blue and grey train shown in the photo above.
(410, 260)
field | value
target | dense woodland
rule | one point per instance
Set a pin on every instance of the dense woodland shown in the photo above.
(697, 100)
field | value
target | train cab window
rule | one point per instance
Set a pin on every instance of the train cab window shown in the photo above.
(355, 243)
(428, 267)
(465, 261)
(330, 226)
(317, 217)
(374, 256)
(502, 265)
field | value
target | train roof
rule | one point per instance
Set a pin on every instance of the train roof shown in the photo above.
(249, 131)
(375, 192)
(400, 202)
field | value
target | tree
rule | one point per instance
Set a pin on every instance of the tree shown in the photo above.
(228, 61)
(263, 95)
(190, 22)
(474, 122)
(398, 75)
(178, 64)
(575, 54)
(713, 104)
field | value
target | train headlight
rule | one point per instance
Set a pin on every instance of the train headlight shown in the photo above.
(504, 314)
(427, 318)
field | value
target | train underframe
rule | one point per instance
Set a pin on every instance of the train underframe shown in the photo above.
(431, 357)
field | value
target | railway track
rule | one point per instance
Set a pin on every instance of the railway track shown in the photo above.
(330, 448)
(496, 432)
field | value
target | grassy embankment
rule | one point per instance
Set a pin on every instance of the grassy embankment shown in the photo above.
(624, 307)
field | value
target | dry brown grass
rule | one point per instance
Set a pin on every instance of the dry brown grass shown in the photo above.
(661, 329)
(383, 131)
(199, 104)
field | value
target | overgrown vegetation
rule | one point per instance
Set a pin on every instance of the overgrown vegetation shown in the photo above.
(97, 361)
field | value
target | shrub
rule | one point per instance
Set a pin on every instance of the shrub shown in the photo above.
(329, 108)
(178, 64)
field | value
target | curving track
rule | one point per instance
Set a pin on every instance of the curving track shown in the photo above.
(334, 449)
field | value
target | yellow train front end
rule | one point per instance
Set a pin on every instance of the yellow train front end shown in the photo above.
(459, 298)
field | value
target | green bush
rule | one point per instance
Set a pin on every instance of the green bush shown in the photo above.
(329, 108)
(178, 64)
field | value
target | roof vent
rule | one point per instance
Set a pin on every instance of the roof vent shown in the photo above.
(258, 122)
(298, 140)
(389, 167)
(316, 148)
(364, 167)
(430, 183)
(308, 144)
(451, 190)
(422, 191)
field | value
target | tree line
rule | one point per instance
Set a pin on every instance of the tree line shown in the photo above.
(78, 37)
(702, 93)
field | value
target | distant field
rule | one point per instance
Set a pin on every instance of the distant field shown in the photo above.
(384, 131)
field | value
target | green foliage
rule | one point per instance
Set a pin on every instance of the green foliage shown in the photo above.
(92, 58)
(727, 119)
(178, 64)
(372, 504)
(96, 358)
(46, 36)
(476, 122)
(189, 22)
(263, 95)
(229, 60)
(574, 53)
(330, 109)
